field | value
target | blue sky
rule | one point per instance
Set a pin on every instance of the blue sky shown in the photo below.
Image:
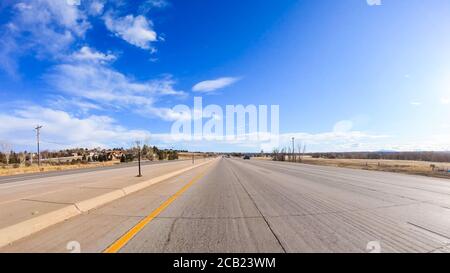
(348, 75)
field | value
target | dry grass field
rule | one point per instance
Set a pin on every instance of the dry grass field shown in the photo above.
(11, 170)
(400, 166)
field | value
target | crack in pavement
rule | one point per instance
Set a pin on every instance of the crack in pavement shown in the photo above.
(257, 208)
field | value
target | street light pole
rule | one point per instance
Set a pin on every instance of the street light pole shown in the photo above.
(140, 174)
(139, 158)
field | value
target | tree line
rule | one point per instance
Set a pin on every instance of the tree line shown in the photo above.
(285, 154)
(414, 156)
(84, 155)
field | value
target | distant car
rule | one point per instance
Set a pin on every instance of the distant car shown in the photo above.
(246, 157)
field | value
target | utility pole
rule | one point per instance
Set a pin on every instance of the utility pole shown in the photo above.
(193, 158)
(293, 149)
(38, 132)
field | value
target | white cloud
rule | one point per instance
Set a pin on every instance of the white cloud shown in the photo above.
(61, 129)
(212, 85)
(374, 2)
(342, 138)
(149, 4)
(73, 2)
(320, 142)
(42, 27)
(49, 29)
(166, 114)
(445, 100)
(88, 54)
(8, 52)
(415, 103)
(77, 105)
(137, 31)
(106, 87)
(158, 3)
(343, 126)
(96, 7)
(327, 141)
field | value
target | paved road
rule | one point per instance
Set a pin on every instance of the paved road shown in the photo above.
(232, 205)
(30, 176)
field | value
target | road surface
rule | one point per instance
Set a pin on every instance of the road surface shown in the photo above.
(30, 176)
(234, 205)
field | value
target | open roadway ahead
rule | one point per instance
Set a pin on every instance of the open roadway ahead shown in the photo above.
(235, 205)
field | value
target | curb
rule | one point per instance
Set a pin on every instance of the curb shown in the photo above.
(25, 228)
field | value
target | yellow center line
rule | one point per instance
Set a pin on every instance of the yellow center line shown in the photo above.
(122, 241)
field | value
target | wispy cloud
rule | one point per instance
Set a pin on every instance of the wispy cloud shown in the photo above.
(96, 7)
(83, 79)
(374, 2)
(61, 129)
(44, 28)
(153, 4)
(213, 85)
(326, 141)
(94, 82)
(343, 126)
(76, 105)
(88, 54)
(137, 31)
(48, 29)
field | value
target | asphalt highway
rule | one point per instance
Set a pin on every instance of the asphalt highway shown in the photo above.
(235, 205)
(30, 176)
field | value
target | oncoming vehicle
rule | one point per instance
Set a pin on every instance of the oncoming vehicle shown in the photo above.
(246, 157)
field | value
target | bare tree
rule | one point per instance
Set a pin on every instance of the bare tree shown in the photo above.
(6, 149)
(283, 154)
(22, 158)
(299, 149)
(149, 149)
(275, 154)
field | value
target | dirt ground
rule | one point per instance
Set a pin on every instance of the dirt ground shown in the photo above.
(400, 166)
(10, 170)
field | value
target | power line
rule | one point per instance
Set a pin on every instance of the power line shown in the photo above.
(57, 143)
